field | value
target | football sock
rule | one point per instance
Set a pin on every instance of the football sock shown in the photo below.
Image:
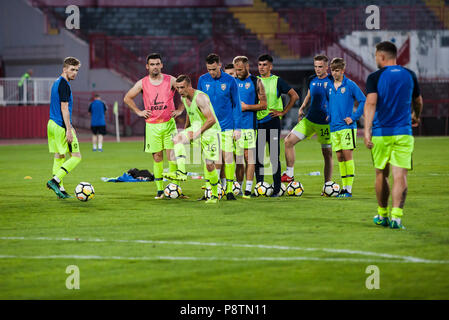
(67, 167)
(289, 171)
(206, 177)
(100, 146)
(229, 173)
(249, 186)
(213, 179)
(94, 146)
(158, 168)
(172, 166)
(396, 212)
(383, 212)
(57, 164)
(342, 166)
(350, 171)
(180, 153)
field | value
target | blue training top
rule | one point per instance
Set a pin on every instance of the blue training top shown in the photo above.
(60, 92)
(224, 96)
(97, 109)
(248, 94)
(395, 87)
(318, 102)
(341, 104)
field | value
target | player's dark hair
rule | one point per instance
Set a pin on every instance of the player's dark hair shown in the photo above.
(212, 58)
(388, 47)
(241, 59)
(338, 63)
(154, 56)
(321, 57)
(265, 57)
(229, 66)
(71, 61)
(182, 78)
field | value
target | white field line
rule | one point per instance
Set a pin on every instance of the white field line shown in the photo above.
(94, 257)
(394, 258)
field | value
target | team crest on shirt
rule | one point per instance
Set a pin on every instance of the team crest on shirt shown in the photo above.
(247, 85)
(325, 85)
(343, 90)
(223, 86)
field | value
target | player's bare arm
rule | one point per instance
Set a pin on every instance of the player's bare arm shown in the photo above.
(262, 99)
(417, 105)
(129, 100)
(66, 117)
(370, 110)
(304, 105)
(293, 98)
(203, 104)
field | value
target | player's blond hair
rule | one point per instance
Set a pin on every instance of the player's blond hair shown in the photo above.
(71, 61)
(338, 63)
(241, 59)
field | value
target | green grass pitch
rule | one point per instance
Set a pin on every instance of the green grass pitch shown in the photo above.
(308, 247)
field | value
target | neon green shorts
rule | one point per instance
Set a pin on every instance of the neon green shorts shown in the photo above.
(209, 142)
(306, 129)
(57, 141)
(159, 136)
(227, 141)
(343, 139)
(247, 141)
(396, 150)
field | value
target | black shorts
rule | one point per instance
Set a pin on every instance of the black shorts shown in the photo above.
(99, 130)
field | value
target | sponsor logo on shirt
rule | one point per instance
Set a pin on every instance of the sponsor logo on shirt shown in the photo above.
(158, 105)
(207, 86)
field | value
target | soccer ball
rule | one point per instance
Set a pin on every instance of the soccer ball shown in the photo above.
(84, 191)
(172, 191)
(295, 188)
(263, 189)
(220, 191)
(236, 188)
(331, 189)
(283, 189)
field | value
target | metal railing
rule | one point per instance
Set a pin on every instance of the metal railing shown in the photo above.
(31, 91)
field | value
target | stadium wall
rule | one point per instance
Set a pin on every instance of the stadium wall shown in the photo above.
(17, 122)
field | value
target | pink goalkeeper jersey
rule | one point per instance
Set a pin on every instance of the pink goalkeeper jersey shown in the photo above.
(158, 99)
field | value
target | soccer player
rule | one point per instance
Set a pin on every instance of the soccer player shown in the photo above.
(253, 99)
(315, 121)
(97, 110)
(158, 90)
(393, 105)
(61, 134)
(269, 120)
(224, 96)
(343, 121)
(202, 127)
(229, 69)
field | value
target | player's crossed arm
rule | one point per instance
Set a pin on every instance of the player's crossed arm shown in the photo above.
(262, 105)
(129, 100)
